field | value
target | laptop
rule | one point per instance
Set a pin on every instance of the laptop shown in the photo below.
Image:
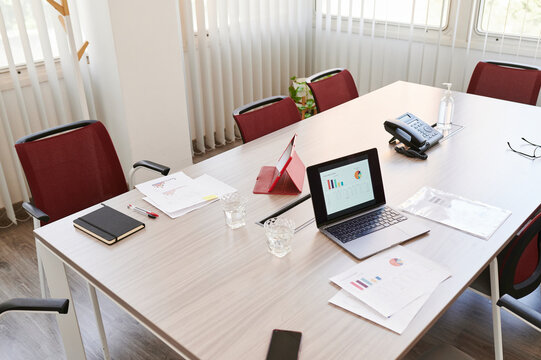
(349, 205)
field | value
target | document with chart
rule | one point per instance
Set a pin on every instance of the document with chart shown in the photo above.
(389, 281)
(397, 323)
(177, 194)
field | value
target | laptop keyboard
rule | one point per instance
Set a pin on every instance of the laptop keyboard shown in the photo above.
(365, 224)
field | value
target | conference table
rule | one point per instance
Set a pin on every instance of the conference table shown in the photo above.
(210, 292)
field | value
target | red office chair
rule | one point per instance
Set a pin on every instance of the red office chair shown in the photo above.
(69, 168)
(506, 81)
(334, 90)
(255, 119)
(519, 266)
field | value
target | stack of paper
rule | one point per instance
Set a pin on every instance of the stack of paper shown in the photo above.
(390, 287)
(178, 194)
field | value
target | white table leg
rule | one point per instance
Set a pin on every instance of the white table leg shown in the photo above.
(496, 316)
(57, 281)
(99, 321)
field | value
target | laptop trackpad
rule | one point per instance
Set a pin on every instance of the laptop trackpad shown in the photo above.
(383, 239)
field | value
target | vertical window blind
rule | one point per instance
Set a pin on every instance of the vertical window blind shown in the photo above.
(238, 51)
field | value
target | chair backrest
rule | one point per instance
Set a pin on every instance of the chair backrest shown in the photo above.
(506, 81)
(332, 91)
(71, 167)
(255, 119)
(520, 262)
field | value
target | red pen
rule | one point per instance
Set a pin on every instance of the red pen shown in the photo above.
(150, 214)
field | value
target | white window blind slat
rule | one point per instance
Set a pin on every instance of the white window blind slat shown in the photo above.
(83, 68)
(85, 114)
(438, 48)
(410, 40)
(502, 40)
(14, 76)
(254, 23)
(488, 24)
(337, 43)
(8, 133)
(5, 197)
(265, 13)
(227, 69)
(236, 52)
(217, 78)
(293, 41)
(206, 75)
(276, 48)
(318, 54)
(247, 55)
(30, 65)
(328, 37)
(52, 75)
(348, 63)
(360, 47)
(425, 36)
(453, 42)
(465, 82)
(194, 80)
(372, 38)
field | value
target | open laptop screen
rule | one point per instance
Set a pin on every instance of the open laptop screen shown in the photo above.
(346, 186)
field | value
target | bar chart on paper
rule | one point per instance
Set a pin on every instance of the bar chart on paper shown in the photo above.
(364, 283)
(392, 279)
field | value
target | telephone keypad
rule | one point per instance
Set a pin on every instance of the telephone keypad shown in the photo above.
(427, 131)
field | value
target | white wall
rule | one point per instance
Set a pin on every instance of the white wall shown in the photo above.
(136, 66)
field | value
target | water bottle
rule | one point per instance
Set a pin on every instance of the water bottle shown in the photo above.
(447, 105)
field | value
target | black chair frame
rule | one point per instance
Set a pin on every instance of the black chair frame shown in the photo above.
(323, 74)
(60, 306)
(524, 288)
(256, 104)
(511, 65)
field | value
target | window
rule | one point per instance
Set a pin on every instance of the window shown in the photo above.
(10, 19)
(510, 17)
(427, 13)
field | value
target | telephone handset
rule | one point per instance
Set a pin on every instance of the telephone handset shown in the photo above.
(413, 132)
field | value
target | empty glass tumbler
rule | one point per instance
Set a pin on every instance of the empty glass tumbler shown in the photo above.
(279, 232)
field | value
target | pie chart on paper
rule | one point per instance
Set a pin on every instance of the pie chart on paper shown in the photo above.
(396, 262)
(357, 174)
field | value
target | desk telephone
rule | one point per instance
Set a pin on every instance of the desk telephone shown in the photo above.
(413, 132)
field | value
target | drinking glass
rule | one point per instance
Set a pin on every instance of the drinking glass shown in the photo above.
(234, 206)
(279, 232)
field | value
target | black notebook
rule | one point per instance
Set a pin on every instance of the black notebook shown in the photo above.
(108, 225)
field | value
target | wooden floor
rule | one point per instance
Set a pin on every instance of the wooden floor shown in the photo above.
(466, 325)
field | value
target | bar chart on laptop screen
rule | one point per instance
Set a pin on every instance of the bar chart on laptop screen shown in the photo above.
(347, 186)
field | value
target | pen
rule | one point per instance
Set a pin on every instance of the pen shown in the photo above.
(150, 214)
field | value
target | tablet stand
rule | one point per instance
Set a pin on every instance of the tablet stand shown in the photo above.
(290, 183)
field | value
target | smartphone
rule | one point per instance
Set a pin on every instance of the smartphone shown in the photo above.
(284, 345)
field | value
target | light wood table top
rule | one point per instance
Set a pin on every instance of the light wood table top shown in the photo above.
(216, 293)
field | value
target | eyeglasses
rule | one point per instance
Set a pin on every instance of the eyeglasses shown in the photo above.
(534, 156)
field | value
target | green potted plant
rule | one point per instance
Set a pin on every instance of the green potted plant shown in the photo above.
(302, 96)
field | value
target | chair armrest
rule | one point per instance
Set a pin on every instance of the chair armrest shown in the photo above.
(28, 304)
(164, 170)
(521, 310)
(35, 212)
